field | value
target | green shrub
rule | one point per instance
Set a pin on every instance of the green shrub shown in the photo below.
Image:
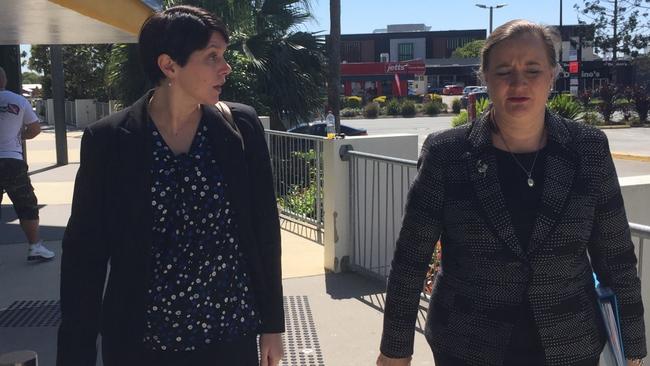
(381, 100)
(300, 199)
(444, 107)
(566, 106)
(432, 108)
(592, 118)
(393, 107)
(482, 104)
(351, 102)
(350, 112)
(371, 110)
(626, 106)
(606, 101)
(641, 98)
(460, 119)
(455, 105)
(408, 108)
(433, 97)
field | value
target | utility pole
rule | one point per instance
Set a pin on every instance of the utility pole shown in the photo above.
(334, 79)
(482, 6)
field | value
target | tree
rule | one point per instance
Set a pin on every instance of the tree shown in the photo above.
(642, 70)
(124, 76)
(621, 25)
(84, 68)
(30, 77)
(276, 68)
(469, 50)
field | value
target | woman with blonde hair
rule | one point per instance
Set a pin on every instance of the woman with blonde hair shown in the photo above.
(527, 205)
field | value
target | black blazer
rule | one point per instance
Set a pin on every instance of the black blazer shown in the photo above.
(111, 221)
(485, 276)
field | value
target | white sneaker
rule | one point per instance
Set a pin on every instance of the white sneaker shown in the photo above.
(38, 252)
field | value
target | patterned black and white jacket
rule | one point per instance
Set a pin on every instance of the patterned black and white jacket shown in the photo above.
(486, 276)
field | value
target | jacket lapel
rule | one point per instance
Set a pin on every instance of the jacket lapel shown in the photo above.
(561, 166)
(482, 171)
(227, 143)
(135, 154)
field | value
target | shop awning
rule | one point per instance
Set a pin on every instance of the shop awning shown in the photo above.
(72, 21)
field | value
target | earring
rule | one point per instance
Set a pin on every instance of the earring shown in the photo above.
(169, 84)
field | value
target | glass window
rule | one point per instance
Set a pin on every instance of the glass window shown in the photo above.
(404, 51)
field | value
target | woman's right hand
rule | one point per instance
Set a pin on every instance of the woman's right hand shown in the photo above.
(387, 361)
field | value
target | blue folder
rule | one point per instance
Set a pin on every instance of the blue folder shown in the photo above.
(613, 354)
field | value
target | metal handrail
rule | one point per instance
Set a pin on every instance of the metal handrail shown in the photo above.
(642, 232)
(383, 158)
(293, 134)
(365, 182)
(297, 163)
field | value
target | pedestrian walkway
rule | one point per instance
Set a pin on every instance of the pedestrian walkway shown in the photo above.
(332, 319)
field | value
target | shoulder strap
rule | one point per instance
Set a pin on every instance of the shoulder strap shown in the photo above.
(227, 114)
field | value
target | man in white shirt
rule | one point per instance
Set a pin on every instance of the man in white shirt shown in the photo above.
(17, 122)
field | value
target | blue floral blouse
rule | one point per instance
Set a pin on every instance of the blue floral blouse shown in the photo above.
(200, 291)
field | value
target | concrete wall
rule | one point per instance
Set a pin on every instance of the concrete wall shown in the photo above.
(636, 194)
(266, 122)
(337, 220)
(85, 112)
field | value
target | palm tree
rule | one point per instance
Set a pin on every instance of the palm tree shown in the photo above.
(287, 62)
(124, 76)
(277, 68)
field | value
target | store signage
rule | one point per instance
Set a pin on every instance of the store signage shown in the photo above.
(393, 68)
(404, 68)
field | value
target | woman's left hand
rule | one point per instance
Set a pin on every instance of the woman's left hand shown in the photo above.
(270, 349)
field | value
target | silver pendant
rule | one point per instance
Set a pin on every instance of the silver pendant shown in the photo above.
(531, 182)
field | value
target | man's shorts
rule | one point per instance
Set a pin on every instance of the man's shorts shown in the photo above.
(15, 181)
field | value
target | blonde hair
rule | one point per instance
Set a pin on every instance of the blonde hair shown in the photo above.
(514, 29)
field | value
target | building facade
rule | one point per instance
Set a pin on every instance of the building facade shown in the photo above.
(405, 59)
(390, 61)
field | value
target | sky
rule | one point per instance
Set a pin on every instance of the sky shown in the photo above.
(364, 16)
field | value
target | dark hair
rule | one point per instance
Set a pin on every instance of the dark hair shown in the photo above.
(177, 32)
(515, 28)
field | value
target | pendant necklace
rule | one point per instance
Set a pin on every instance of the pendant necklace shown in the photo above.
(529, 173)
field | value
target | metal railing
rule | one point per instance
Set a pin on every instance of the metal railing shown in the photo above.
(640, 233)
(378, 189)
(297, 162)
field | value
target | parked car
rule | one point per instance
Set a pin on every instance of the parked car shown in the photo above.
(469, 90)
(435, 90)
(478, 95)
(452, 90)
(319, 129)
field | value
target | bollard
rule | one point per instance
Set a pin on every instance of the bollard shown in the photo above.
(19, 358)
(471, 107)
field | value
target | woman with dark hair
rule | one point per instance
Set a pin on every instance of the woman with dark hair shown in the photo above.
(177, 196)
(526, 205)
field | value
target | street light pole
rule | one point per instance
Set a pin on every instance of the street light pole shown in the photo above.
(482, 6)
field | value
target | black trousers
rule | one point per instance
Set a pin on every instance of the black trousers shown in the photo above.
(242, 352)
